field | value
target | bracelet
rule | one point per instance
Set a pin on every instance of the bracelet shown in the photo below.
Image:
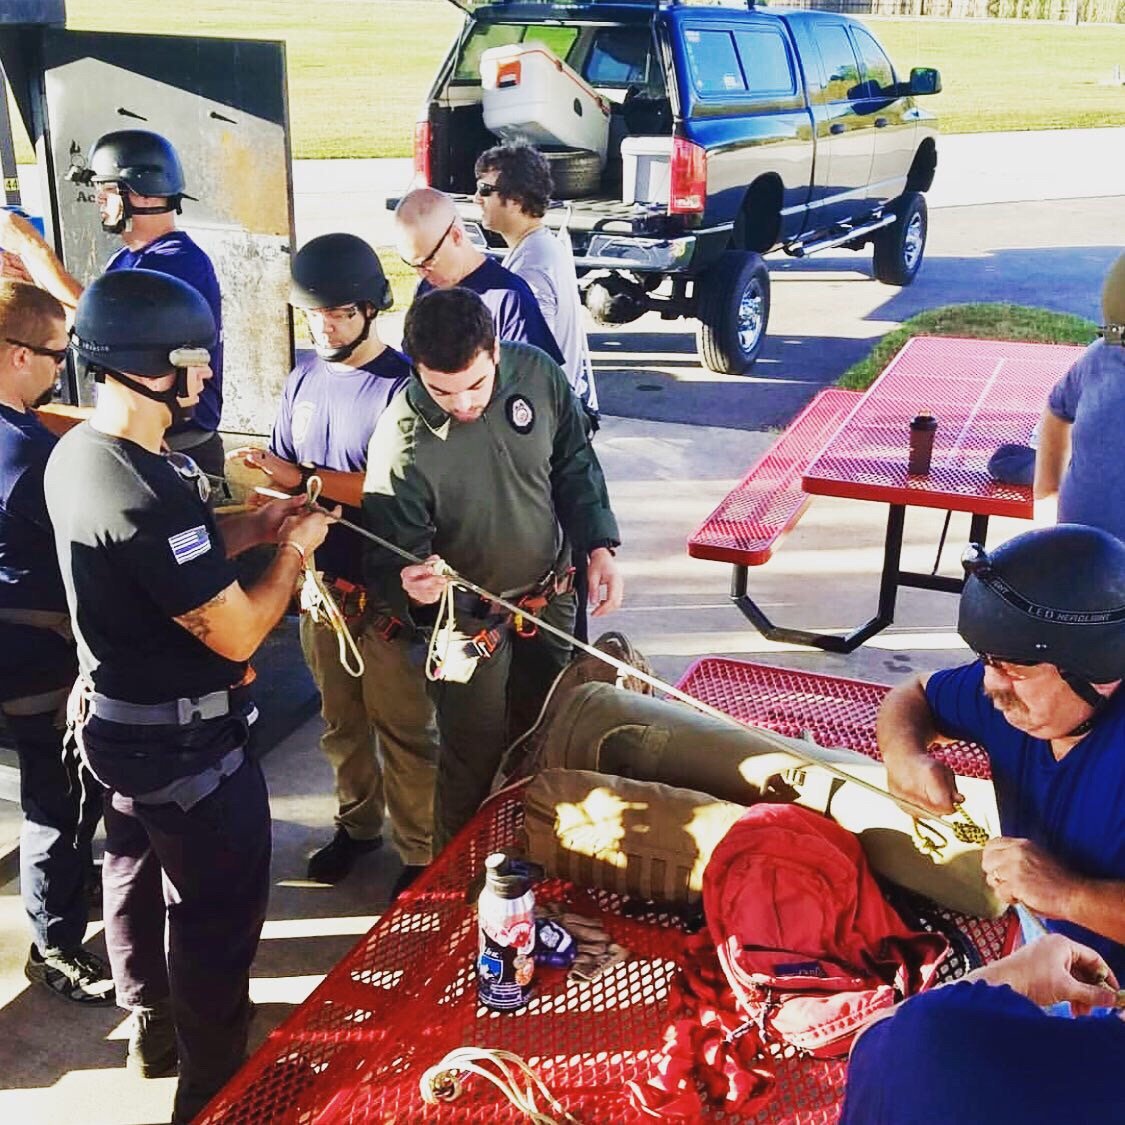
(296, 547)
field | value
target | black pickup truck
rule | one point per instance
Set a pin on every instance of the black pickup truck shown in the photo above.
(732, 131)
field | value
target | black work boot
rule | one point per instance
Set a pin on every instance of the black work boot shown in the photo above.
(405, 878)
(152, 1042)
(333, 862)
(521, 757)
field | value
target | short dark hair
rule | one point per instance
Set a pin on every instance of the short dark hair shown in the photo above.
(27, 312)
(524, 176)
(447, 329)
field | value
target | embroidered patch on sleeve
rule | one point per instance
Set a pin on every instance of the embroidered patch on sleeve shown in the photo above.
(190, 544)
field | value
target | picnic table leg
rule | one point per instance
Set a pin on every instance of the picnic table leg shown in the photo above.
(978, 533)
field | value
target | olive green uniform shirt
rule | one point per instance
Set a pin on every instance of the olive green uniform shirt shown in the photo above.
(488, 496)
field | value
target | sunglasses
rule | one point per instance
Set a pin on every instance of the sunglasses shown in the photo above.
(57, 354)
(1013, 669)
(190, 473)
(428, 260)
(485, 190)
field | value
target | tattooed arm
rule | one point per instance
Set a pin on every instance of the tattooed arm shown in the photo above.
(236, 620)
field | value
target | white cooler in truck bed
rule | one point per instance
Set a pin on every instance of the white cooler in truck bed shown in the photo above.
(530, 94)
(645, 169)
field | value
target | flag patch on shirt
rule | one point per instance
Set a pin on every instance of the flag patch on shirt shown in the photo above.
(190, 544)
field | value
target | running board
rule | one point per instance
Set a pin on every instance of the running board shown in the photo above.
(799, 250)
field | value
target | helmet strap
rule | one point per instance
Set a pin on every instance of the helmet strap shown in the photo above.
(340, 355)
(1088, 694)
(170, 398)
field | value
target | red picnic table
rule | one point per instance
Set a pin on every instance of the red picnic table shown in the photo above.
(355, 1050)
(983, 393)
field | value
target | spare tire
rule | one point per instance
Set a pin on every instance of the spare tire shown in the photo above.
(576, 172)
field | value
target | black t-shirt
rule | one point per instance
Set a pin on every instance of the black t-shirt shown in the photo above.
(137, 548)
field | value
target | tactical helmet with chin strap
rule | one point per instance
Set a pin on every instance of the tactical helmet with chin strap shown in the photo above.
(132, 323)
(1113, 303)
(142, 161)
(1055, 595)
(334, 270)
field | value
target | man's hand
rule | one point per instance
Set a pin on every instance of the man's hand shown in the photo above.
(271, 516)
(306, 529)
(1020, 871)
(283, 473)
(606, 586)
(1054, 969)
(12, 267)
(921, 779)
(422, 582)
(16, 232)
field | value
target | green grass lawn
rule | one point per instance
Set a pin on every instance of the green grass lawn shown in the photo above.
(976, 321)
(358, 71)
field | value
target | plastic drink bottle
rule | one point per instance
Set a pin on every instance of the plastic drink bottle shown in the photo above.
(506, 945)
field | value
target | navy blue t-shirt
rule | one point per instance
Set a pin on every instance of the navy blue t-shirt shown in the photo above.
(980, 1054)
(31, 659)
(178, 256)
(512, 304)
(327, 415)
(1073, 809)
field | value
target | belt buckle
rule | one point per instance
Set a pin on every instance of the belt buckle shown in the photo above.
(212, 706)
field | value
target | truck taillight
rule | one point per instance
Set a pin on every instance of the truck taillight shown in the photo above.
(422, 153)
(688, 175)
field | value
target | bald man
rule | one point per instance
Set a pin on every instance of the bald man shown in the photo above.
(432, 240)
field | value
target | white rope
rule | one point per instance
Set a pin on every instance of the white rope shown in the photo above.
(443, 633)
(442, 1082)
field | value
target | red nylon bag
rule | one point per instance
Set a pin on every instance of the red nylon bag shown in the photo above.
(808, 943)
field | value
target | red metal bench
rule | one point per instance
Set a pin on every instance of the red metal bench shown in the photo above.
(406, 995)
(767, 504)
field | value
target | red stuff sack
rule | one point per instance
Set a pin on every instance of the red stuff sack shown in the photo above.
(807, 941)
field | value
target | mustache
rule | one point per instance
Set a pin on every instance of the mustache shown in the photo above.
(1006, 701)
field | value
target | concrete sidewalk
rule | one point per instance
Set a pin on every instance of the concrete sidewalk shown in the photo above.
(61, 1065)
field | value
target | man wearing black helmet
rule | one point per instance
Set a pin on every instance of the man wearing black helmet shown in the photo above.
(1045, 614)
(164, 631)
(330, 406)
(139, 186)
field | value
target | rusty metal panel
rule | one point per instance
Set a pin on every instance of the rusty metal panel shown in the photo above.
(222, 103)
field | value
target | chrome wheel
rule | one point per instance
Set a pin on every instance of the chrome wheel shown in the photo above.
(751, 318)
(913, 242)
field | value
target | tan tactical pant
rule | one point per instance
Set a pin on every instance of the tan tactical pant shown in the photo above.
(385, 714)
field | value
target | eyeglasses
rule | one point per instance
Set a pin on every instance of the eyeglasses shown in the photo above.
(1013, 669)
(334, 314)
(57, 354)
(484, 190)
(190, 473)
(428, 260)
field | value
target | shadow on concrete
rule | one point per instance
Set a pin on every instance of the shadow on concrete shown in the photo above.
(814, 321)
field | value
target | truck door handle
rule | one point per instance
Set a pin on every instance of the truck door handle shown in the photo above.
(837, 128)
(880, 122)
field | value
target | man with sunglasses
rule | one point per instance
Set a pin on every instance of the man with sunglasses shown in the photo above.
(1045, 614)
(37, 660)
(164, 631)
(328, 411)
(139, 187)
(484, 460)
(432, 240)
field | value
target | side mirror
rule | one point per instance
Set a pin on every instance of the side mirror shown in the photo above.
(925, 80)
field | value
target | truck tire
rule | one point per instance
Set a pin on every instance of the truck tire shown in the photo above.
(899, 248)
(575, 172)
(733, 308)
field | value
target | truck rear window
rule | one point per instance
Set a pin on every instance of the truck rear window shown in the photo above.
(714, 62)
(559, 40)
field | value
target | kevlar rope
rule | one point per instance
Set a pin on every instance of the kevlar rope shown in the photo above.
(442, 1083)
(790, 746)
(351, 659)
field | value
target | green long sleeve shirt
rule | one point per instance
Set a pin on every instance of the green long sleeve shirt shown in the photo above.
(488, 496)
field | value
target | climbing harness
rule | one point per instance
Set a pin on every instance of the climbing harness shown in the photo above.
(789, 746)
(442, 1082)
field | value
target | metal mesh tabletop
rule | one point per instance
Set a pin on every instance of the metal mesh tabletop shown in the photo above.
(983, 394)
(406, 994)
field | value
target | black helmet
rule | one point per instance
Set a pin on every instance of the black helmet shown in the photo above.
(136, 321)
(143, 161)
(1055, 595)
(338, 269)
